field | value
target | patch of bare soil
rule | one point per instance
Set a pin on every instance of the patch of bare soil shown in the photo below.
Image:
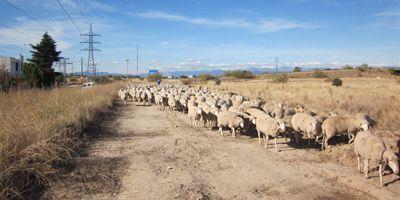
(150, 154)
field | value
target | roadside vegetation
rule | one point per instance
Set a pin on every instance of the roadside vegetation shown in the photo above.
(40, 127)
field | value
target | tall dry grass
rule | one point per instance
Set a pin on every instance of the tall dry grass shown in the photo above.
(28, 117)
(378, 97)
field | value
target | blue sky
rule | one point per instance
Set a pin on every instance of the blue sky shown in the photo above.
(210, 34)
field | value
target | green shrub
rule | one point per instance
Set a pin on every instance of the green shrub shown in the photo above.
(154, 77)
(280, 78)
(206, 77)
(319, 74)
(337, 82)
(394, 71)
(183, 77)
(297, 69)
(240, 74)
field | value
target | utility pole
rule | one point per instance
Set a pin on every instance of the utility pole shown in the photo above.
(127, 67)
(276, 64)
(91, 64)
(137, 59)
(81, 67)
(65, 63)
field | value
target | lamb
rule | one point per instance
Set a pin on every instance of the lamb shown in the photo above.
(372, 148)
(226, 119)
(307, 124)
(269, 127)
(342, 125)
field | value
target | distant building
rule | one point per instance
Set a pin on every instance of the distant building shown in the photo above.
(153, 71)
(192, 76)
(12, 65)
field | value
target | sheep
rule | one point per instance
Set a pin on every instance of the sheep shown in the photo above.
(194, 114)
(275, 109)
(172, 103)
(307, 124)
(256, 113)
(226, 119)
(269, 127)
(342, 125)
(372, 148)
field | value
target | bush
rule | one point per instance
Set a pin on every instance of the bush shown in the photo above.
(297, 69)
(183, 77)
(206, 77)
(154, 77)
(394, 71)
(186, 81)
(319, 74)
(363, 67)
(217, 81)
(240, 74)
(337, 82)
(280, 78)
(347, 67)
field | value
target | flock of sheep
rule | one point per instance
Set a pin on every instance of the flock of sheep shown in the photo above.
(227, 110)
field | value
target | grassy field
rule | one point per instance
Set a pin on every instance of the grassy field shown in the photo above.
(378, 97)
(31, 116)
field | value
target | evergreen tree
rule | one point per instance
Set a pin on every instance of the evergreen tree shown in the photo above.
(44, 55)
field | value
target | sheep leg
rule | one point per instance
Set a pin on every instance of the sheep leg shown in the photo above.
(220, 131)
(380, 175)
(358, 163)
(266, 139)
(259, 138)
(351, 138)
(233, 133)
(296, 137)
(276, 145)
(366, 168)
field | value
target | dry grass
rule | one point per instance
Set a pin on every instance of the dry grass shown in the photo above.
(378, 97)
(30, 117)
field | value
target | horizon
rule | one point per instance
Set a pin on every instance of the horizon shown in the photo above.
(209, 35)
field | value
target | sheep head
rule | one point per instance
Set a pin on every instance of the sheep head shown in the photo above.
(363, 124)
(239, 121)
(392, 160)
(281, 124)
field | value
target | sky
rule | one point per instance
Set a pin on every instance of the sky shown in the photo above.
(208, 34)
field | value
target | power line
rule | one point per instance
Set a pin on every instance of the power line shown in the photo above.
(45, 9)
(7, 26)
(89, 11)
(26, 14)
(69, 16)
(80, 11)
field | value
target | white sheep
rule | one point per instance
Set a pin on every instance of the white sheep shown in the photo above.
(226, 119)
(194, 114)
(369, 147)
(337, 125)
(269, 127)
(308, 124)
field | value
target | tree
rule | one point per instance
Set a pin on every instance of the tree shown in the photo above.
(297, 69)
(33, 74)
(44, 55)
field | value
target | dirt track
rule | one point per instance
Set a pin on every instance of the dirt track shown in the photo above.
(154, 155)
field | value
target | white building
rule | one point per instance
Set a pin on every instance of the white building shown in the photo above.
(13, 66)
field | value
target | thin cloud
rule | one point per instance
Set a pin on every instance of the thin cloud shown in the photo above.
(265, 25)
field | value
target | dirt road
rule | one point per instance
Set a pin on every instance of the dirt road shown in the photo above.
(149, 154)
